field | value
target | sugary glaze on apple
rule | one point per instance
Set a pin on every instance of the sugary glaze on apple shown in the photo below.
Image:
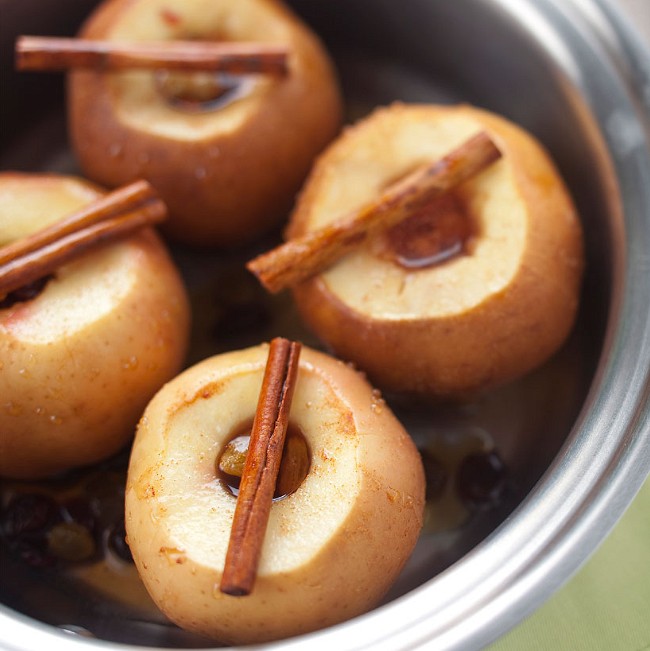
(229, 165)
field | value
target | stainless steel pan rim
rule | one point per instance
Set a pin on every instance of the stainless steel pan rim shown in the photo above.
(607, 456)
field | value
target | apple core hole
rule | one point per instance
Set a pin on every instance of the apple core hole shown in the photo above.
(25, 293)
(439, 231)
(294, 467)
(201, 92)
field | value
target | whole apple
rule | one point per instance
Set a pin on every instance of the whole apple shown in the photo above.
(80, 360)
(228, 168)
(479, 288)
(333, 545)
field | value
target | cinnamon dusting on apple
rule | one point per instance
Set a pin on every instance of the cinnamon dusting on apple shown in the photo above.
(170, 17)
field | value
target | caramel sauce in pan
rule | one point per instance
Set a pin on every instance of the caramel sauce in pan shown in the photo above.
(439, 231)
(294, 466)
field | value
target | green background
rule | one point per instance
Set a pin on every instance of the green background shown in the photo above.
(606, 606)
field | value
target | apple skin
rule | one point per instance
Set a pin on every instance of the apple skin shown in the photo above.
(80, 361)
(331, 549)
(477, 320)
(228, 175)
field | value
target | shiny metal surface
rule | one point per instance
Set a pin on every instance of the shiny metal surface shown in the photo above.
(573, 73)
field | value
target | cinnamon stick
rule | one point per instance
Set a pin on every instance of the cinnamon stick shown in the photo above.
(111, 217)
(306, 256)
(261, 468)
(109, 205)
(47, 53)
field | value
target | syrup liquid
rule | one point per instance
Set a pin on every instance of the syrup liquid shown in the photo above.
(202, 92)
(439, 231)
(294, 465)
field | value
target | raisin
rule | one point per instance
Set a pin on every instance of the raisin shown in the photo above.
(34, 554)
(117, 542)
(28, 514)
(481, 479)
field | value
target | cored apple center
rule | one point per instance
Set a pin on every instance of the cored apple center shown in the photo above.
(294, 467)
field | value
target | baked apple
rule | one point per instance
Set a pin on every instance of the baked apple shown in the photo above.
(80, 359)
(473, 290)
(227, 154)
(339, 532)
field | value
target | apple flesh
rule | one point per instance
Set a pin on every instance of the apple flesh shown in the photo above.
(485, 315)
(80, 361)
(332, 548)
(228, 173)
